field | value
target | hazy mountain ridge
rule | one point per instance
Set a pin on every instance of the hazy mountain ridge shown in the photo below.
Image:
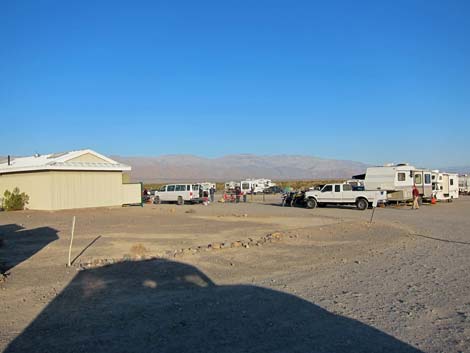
(236, 167)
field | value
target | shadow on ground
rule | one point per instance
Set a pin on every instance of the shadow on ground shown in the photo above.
(18, 244)
(165, 306)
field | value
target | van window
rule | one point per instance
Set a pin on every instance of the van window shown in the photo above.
(162, 189)
(401, 176)
(188, 187)
(347, 187)
(180, 187)
(418, 179)
(245, 186)
(427, 179)
(170, 188)
(337, 188)
(327, 188)
(196, 187)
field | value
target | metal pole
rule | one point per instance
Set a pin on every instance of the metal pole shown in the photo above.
(71, 241)
(372, 216)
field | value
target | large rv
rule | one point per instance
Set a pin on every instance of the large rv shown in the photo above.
(464, 184)
(445, 185)
(255, 185)
(397, 180)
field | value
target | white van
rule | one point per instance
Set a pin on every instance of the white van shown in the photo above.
(179, 193)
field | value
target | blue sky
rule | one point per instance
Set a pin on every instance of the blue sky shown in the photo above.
(373, 81)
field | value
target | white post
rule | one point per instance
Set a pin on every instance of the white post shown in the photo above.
(71, 241)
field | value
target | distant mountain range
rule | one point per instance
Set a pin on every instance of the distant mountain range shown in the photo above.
(237, 167)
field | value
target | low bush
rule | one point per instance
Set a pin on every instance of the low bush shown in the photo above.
(13, 201)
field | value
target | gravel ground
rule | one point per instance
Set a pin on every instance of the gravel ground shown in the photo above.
(330, 281)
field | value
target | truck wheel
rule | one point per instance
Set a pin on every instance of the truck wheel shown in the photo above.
(362, 204)
(311, 203)
(180, 201)
(157, 200)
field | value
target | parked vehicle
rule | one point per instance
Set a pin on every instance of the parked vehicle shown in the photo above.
(396, 180)
(179, 193)
(255, 186)
(343, 194)
(274, 190)
(445, 185)
(464, 184)
(231, 185)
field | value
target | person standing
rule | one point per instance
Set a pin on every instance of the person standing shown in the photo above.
(237, 194)
(415, 198)
(212, 193)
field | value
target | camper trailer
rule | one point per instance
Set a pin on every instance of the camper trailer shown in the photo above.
(453, 186)
(255, 185)
(397, 180)
(422, 178)
(445, 186)
(231, 185)
(464, 184)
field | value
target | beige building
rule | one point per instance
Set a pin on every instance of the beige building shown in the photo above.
(76, 179)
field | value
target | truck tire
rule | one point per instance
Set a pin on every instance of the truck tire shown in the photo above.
(311, 203)
(362, 204)
(180, 201)
(157, 200)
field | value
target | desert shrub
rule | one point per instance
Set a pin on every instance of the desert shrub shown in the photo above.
(13, 201)
(138, 250)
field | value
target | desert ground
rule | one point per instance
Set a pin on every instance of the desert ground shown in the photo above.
(252, 277)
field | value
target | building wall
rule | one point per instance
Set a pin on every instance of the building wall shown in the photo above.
(80, 189)
(36, 185)
(57, 190)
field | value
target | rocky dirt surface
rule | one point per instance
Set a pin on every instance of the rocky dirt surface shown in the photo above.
(237, 278)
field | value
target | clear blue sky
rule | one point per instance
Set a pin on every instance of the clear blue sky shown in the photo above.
(374, 81)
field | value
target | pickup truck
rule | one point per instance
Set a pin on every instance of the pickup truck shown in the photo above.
(343, 194)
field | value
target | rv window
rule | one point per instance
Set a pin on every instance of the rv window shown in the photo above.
(327, 188)
(427, 178)
(451, 181)
(418, 179)
(347, 187)
(245, 186)
(401, 176)
(170, 188)
(337, 188)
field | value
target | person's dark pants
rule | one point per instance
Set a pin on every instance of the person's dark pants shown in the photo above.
(212, 197)
(238, 199)
(244, 197)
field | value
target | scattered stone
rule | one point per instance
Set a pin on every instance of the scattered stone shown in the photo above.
(236, 244)
(215, 245)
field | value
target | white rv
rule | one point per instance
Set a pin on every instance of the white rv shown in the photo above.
(397, 180)
(255, 185)
(464, 184)
(445, 186)
(231, 185)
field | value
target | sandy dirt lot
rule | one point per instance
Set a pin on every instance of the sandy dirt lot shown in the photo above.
(251, 277)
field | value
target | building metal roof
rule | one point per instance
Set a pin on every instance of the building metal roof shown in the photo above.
(61, 161)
